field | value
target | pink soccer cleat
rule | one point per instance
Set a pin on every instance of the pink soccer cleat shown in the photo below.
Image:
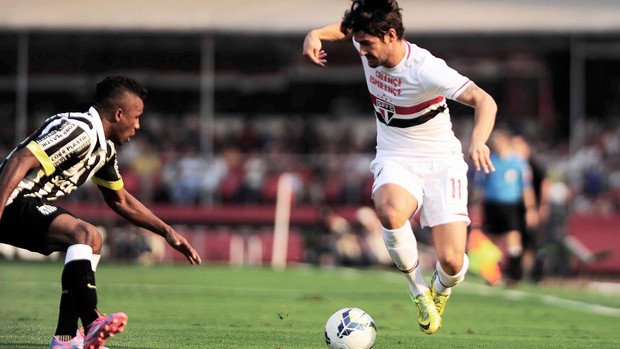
(76, 342)
(103, 328)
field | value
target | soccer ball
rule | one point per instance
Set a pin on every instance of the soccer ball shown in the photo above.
(350, 328)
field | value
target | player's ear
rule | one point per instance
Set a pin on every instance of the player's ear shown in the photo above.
(118, 113)
(391, 35)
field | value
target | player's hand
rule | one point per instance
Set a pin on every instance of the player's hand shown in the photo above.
(480, 154)
(313, 50)
(180, 244)
(532, 218)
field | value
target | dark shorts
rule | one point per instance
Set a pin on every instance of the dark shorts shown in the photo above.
(502, 218)
(25, 224)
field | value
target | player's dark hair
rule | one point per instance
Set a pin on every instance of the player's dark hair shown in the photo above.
(373, 17)
(113, 87)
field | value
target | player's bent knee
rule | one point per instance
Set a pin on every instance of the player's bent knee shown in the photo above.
(391, 218)
(452, 265)
(453, 278)
(88, 234)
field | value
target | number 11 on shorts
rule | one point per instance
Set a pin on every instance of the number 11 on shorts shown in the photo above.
(456, 188)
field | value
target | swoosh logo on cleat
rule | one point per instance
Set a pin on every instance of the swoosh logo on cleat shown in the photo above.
(425, 326)
(91, 286)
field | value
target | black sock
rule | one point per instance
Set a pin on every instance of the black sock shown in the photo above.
(515, 271)
(81, 281)
(67, 315)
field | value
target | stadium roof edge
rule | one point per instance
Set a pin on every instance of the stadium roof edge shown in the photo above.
(293, 16)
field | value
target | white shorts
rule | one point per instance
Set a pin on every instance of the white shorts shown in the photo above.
(439, 186)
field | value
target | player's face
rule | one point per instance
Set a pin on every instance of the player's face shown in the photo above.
(127, 118)
(376, 50)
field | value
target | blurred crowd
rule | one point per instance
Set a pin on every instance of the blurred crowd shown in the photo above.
(328, 158)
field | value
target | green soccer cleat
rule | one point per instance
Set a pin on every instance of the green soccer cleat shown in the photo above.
(428, 318)
(439, 299)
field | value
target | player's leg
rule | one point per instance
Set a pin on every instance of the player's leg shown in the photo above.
(446, 213)
(397, 194)
(503, 223)
(514, 248)
(79, 278)
(79, 294)
(394, 206)
(68, 314)
(78, 281)
(452, 262)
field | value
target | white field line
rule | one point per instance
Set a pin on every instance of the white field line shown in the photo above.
(516, 295)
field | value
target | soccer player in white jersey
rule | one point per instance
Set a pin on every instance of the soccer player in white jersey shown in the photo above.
(419, 163)
(67, 150)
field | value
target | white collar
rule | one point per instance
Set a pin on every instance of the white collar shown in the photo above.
(99, 127)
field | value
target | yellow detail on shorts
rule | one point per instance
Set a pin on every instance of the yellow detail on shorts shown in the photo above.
(115, 185)
(41, 155)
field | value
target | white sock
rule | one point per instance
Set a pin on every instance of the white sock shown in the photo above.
(77, 252)
(403, 248)
(514, 251)
(94, 261)
(444, 282)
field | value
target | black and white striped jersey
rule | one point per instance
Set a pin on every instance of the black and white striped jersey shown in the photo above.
(71, 148)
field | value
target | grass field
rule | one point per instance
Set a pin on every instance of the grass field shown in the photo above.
(212, 306)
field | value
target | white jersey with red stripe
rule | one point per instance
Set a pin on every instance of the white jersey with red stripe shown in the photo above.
(409, 102)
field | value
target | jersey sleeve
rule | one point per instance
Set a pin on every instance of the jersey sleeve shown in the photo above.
(62, 143)
(439, 78)
(109, 175)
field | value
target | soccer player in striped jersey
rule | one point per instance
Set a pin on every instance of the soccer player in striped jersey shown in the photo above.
(67, 150)
(419, 165)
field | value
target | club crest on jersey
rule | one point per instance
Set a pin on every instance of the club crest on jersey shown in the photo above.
(384, 110)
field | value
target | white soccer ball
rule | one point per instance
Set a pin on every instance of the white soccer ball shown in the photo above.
(350, 328)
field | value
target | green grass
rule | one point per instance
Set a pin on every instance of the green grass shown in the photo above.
(211, 306)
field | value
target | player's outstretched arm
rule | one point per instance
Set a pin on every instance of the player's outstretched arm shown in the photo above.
(484, 119)
(313, 46)
(130, 208)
